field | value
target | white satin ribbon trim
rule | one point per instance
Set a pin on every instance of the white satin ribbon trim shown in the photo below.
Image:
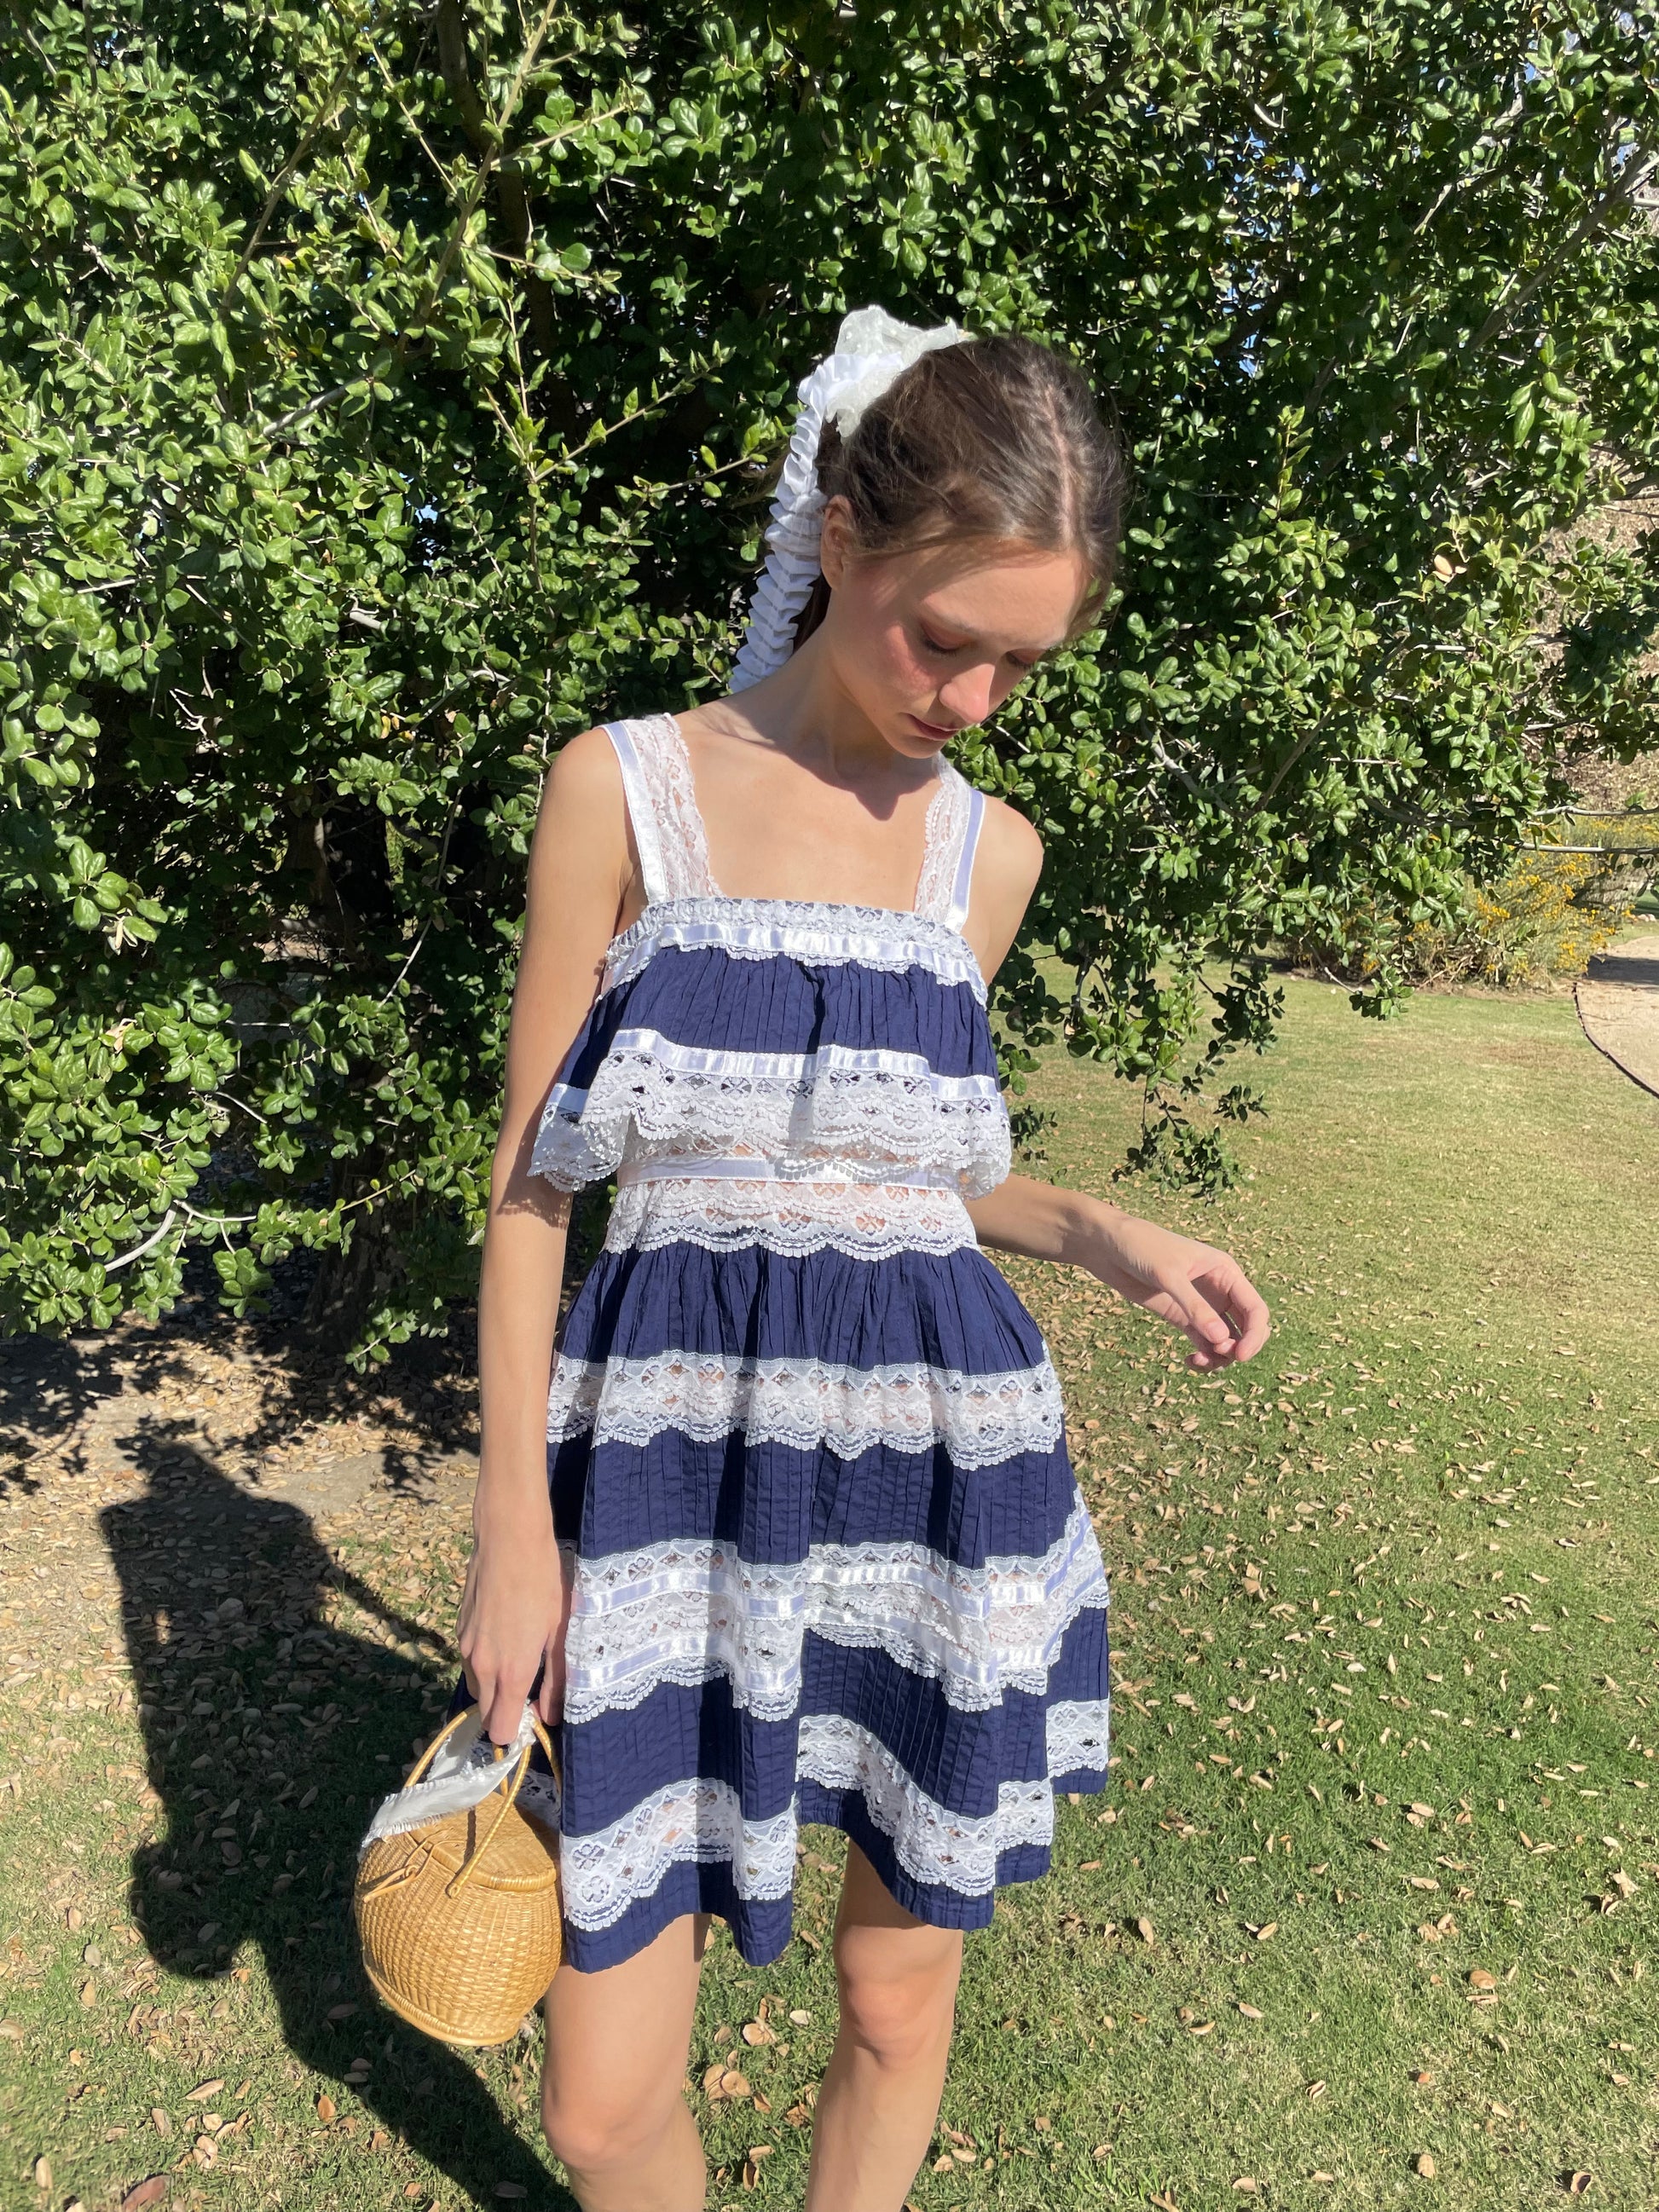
(691, 1610)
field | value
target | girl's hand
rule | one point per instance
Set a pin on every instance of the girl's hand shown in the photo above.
(514, 1611)
(1198, 1290)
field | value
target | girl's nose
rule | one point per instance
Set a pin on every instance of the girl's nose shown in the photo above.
(969, 695)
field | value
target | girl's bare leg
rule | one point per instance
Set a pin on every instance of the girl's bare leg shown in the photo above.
(879, 2097)
(612, 2105)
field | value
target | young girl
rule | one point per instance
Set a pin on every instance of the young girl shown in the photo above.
(795, 1538)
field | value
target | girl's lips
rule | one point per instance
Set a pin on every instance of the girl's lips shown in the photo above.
(933, 729)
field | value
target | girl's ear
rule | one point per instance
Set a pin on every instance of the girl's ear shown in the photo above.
(835, 544)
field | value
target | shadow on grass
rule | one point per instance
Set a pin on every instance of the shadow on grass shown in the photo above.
(222, 1594)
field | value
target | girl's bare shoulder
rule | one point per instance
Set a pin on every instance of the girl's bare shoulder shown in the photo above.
(1010, 850)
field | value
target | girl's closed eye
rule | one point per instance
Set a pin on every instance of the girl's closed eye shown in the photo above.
(936, 646)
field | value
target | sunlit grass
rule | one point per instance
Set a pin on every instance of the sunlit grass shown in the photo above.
(1385, 1663)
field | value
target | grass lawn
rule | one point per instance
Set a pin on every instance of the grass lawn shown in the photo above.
(1377, 1879)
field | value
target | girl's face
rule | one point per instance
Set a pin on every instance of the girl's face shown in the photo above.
(931, 642)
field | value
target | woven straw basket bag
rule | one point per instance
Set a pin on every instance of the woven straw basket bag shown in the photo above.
(460, 1919)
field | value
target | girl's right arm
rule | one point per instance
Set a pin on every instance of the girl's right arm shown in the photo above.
(514, 1605)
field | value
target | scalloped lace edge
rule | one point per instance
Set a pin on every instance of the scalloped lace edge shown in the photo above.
(648, 1096)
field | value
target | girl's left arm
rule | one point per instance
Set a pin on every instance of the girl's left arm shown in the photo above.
(1191, 1285)
(1195, 1287)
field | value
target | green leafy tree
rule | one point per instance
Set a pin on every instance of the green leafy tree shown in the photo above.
(385, 393)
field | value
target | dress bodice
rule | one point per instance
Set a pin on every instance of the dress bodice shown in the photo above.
(809, 1041)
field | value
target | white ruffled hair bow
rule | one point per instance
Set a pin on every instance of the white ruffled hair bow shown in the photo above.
(872, 348)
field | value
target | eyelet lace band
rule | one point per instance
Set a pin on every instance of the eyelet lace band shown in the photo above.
(847, 1113)
(810, 1405)
(866, 1221)
(817, 933)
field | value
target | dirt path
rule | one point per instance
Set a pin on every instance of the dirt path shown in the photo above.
(98, 1422)
(1619, 1007)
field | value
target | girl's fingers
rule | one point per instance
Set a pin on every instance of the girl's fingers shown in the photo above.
(1202, 1324)
(550, 1687)
(1235, 1295)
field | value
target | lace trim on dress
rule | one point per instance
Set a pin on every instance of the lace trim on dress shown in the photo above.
(947, 824)
(849, 1112)
(689, 1611)
(809, 1405)
(957, 1850)
(669, 792)
(660, 744)
(816, 933)
(1077, 1732)
(867, 1221)
(606, 1870)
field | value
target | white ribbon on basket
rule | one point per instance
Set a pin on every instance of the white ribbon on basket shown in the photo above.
(872, 348)
(463, 1773)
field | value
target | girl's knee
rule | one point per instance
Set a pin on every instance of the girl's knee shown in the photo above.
(592, 2134)
(901, 2015)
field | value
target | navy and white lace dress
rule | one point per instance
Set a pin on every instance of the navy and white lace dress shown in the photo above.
(805, 1445)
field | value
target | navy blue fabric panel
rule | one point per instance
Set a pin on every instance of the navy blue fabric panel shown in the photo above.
(950, 1310)
(1082, 1667)
(774, 1501)
(621, 1755)
(718, 1001)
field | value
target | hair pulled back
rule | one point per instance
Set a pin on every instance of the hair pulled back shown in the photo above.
(997, 438)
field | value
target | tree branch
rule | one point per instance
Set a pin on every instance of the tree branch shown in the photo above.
(486, 139)
(1642, 167)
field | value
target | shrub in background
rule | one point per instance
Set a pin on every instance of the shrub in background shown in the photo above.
(385, 392)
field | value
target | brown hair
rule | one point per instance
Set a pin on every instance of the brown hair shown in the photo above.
(998, 439)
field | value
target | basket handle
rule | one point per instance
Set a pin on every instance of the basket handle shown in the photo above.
(455, 1887)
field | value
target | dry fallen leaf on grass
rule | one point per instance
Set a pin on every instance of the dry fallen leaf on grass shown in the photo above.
(1423, 2164)
(1147, 1934)
(1578, 2183)
(325, 2109)
(1250, 2011)
(1480, 1979)
(151, 2191)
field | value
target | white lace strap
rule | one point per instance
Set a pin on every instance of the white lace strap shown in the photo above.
(640, 812)
(956, 913)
